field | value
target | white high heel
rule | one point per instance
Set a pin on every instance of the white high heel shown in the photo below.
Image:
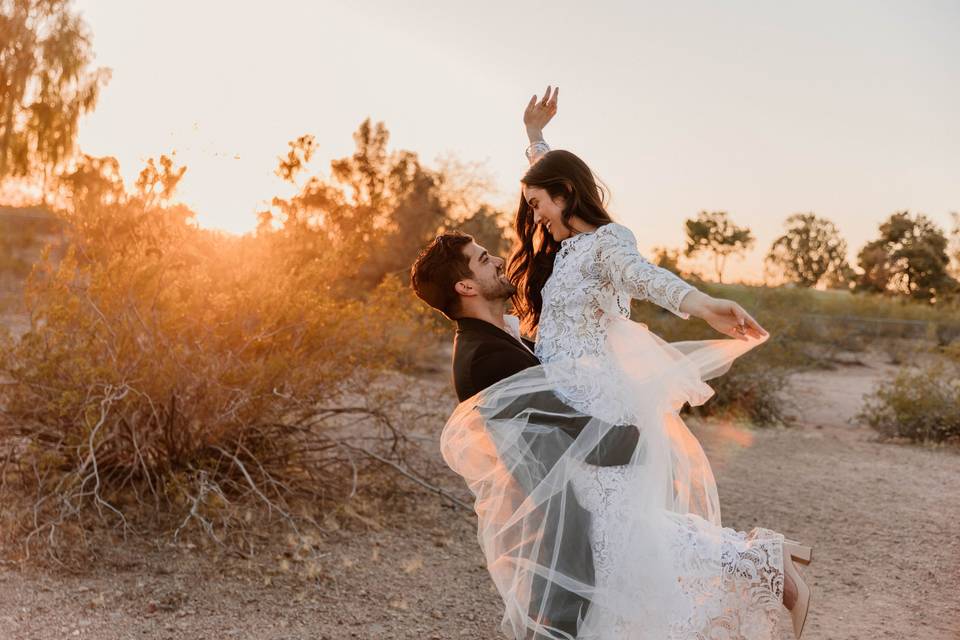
(794, 551)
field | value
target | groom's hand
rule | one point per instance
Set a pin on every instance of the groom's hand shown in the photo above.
(729, 318)
(539, 113)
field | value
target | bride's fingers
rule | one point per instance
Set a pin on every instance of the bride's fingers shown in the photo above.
(752, 330)
(753, 333)
(735, 333)
(727, 326)
(551, 104)
(553, 100)
(528, 112)
(754, 326)
(546, 96)
(756, 331)
(739, 318)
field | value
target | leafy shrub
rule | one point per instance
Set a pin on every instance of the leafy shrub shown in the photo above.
(752, 390)
(921, 404)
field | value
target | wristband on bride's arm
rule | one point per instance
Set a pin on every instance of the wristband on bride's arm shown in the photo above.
(536, 149)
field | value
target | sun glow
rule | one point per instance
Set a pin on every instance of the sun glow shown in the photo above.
(228, 101)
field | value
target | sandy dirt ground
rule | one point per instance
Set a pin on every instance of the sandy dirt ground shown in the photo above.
(883, 520)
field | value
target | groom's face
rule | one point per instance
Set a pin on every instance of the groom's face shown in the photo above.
(489, 280)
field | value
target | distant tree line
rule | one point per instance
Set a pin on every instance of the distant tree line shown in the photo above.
(393, 203)
(912, 256)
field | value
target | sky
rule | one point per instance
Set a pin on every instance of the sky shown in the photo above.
(845, 109)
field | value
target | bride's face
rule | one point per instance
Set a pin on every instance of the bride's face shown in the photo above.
(547, 211)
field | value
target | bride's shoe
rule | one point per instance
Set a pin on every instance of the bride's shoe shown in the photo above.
(793, 551)
(800, 553)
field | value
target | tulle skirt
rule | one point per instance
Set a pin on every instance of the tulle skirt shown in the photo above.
(597, 509)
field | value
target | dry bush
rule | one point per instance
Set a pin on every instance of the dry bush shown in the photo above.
(920, 404)
(177, 377)
(951, 352)
(751, 390)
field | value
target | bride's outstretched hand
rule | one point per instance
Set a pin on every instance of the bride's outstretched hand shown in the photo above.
(730, 319)
(539, 112)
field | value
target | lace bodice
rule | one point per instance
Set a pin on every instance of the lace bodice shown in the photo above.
(595, 275)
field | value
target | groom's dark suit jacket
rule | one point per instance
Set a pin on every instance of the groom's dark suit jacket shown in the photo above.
(484, 354)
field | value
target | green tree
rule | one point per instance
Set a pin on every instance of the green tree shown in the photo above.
(715, 233)
(810, 251)
(954, 247)
(909, 258)
(844, 278)
(463, 188)
(374, 196)
(487, 229)
(46, 84)
(385, 205)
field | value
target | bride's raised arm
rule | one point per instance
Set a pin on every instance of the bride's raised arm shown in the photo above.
(536, 116)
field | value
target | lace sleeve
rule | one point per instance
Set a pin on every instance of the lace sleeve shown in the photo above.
(535, 150)
(631, 273)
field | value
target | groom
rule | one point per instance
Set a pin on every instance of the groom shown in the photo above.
(459, 278)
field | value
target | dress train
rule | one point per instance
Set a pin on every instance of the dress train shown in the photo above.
(605, 523)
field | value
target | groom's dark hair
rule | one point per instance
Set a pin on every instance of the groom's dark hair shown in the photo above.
(440, 265)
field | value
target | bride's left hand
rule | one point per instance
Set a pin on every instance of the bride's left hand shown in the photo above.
(539, 113)
(730, 319)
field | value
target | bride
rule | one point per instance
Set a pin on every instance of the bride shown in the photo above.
(597, 424)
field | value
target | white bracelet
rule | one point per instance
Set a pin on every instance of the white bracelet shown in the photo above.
(535, 149)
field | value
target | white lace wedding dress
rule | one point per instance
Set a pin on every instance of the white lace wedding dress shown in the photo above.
(598, 512)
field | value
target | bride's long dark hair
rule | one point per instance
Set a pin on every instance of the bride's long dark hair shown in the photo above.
(561, 174)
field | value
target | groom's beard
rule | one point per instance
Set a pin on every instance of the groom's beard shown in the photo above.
(499, 289)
